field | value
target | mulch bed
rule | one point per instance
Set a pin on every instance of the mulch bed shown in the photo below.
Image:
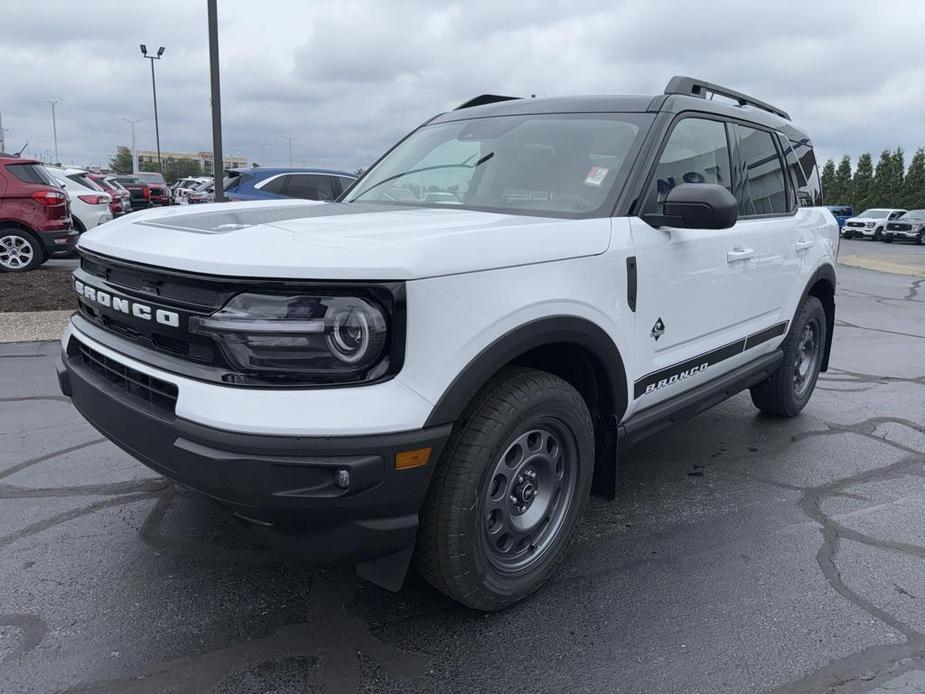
(44, 289)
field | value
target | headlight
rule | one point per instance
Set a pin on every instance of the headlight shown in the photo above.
(870, 225)
(303, 337)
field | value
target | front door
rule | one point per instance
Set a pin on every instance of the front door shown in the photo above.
(696, 287)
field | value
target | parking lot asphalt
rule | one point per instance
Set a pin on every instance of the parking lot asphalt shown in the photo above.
(898, 257)
(743, 554)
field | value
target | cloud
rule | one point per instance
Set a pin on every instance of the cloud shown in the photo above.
(348, 78)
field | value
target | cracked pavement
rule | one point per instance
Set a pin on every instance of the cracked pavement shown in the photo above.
(743, 553)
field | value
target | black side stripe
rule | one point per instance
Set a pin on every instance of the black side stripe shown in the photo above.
(677, 372)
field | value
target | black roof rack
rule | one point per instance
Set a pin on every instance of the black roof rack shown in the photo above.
(483, 99)
(689, 86)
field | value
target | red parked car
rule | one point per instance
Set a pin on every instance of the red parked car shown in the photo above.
(35, 217)
(120, 197)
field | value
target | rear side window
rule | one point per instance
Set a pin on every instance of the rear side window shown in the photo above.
(762, 189)
(276, 185)
(807, 158)
(311, 187)
(30, 173)
(341, 183)
(696, 152)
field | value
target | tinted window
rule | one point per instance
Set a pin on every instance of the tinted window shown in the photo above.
(696, 152)
(276, 185)
(564, 165)
(813, 188)
(81, 179)
(29, 173)
(762, 189)
(341, 183)
(311, 187)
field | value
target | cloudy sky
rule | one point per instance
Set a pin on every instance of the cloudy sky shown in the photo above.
(347, 78)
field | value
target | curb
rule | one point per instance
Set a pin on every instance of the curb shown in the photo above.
(882, 266)
(31, 326)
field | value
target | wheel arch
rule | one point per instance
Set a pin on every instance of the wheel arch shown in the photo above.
(575, 349)
(822, 286)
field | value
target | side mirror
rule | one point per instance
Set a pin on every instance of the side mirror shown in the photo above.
(697, 206)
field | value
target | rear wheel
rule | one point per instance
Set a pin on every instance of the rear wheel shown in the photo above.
(788, 390)
(508, 491)
(19, 251)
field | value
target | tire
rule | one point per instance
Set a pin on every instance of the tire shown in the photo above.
(878, 234)
(788, 390)
(920, 239)
(888, 240)
(525, 435)
(20, 251)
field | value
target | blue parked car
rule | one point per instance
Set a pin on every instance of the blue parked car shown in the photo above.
(266, 183)
(841, 213)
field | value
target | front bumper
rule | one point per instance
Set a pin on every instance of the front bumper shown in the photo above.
(284, 487)
(901, 235)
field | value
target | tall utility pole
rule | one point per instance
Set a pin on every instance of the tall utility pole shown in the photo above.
(132, 122)
(2, 137)
(157, 132)
(290, 139)
(54, 127)
(218, 167)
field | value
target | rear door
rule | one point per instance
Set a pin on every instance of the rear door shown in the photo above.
(696, 287)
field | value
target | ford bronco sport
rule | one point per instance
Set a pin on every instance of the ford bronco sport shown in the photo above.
(441, 366)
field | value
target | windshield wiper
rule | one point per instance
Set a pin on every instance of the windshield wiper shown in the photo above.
(463, 165)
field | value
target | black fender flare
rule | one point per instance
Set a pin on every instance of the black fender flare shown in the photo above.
(823, 272)
(538, 333)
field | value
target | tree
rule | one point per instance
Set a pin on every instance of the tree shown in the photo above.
(913, 191)
(122, 161)
(843, 183)
(829, 189)
(863, 183)
(175, 169)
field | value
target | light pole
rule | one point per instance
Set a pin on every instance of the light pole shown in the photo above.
(262, 149)
(54, 126)
(2, 135)
(290, 139)
(218, 167)
(157, 132)
(132, 122)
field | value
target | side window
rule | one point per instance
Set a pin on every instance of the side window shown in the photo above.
(799, 193)
(813, 190)
(341, 183)
(696, 152)
(277, 185)
(763, 190)
(895, 215)
(310, 187)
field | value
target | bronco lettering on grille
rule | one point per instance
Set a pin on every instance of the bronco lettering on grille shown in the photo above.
(141, 311)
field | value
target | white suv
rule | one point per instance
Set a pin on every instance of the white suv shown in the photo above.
(870, 223)
(444, 364)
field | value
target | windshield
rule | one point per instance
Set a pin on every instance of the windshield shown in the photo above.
(557, 165)
(874, 214)
(914, 215)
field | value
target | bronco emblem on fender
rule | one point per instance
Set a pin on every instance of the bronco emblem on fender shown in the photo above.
(658, 329)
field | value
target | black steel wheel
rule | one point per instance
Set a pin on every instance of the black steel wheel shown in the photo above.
(788, 390)
(508, 491)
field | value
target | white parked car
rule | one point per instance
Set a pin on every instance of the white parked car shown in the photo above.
(870, 223)
(186, 186)
(89, 202)
(446, 374)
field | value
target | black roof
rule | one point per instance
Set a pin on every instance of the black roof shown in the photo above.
(681, 94)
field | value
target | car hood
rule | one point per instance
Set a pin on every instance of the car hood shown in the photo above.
(351, 241)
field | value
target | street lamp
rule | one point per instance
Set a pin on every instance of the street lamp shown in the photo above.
(290, 139)
(157, 132)
(54, 126)
(132, 121)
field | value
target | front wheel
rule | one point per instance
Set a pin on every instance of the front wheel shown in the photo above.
(888, 240)
(788, 390)
(508, 491)
(920, 239)
(878, 234)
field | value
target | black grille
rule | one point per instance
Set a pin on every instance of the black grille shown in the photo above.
(152, 391)
(158, 285)
(854, 224)
(899, 226)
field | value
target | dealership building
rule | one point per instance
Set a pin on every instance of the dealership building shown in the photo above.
(204, 159)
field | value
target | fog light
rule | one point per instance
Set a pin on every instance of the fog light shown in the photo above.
(342, 478)
(410, 459)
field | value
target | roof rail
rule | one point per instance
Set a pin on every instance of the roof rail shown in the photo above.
(688, 86)
(483, 99)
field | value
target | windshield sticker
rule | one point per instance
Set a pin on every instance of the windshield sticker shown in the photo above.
(596, 176)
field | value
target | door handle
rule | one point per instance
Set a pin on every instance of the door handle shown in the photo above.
(804, 245)
(739, 254)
